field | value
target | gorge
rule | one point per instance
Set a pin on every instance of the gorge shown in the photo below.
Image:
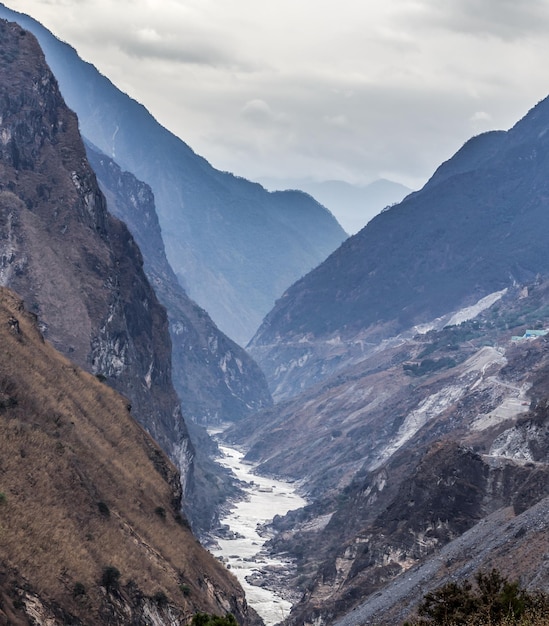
(408, 441)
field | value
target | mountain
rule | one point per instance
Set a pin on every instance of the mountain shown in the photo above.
(77, 267)
(429, 447)
(472, 231)
(81, 272)
(353, 205)
(215, 378)
(496, 541)
(233, 246)
(89, 504)
(412, 376)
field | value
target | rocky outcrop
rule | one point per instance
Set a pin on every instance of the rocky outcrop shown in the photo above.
(448, 493)
(78, 268)
(516, 546)
(215, 379)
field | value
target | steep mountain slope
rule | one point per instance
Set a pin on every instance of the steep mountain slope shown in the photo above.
(233, 246)
(450, 490)
(359, 417)
(514, 545)
(89, 504)
(215, 379)
(405, 452)
(76, 266)
(473, 230)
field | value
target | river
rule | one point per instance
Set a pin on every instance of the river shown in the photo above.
(265, 498)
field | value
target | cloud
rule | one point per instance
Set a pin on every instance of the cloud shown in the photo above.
(257, 110)
(176, 42)
(481, 116)
(193, 49)
(177, 31)
(337, 120)
(317, 87)
(504, 19)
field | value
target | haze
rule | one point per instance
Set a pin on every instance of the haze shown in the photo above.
(348, 90)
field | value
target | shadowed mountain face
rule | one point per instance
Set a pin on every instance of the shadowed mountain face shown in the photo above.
(233, 246)
(90, 506)
(474, 229)
(215, 378)
(81, 272)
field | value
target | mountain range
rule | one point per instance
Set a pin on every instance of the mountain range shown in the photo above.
(410, 373)
(233, 246)
(215, 379)
(472, 231)
(94, 514)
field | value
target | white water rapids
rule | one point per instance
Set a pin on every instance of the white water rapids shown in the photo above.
(265, 498)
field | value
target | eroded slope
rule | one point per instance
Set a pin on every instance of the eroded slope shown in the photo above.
(84, 488)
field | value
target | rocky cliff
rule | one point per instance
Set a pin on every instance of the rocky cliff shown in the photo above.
(77, 267)
(234, 246)
(215, 378)
(92, 531)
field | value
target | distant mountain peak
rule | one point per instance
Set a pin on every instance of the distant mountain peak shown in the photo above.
(353, 205)
(234, 246)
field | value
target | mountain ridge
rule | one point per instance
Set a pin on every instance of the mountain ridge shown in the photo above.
(233, 246)
(77, 267)
(352, 205)
(471, 231)
(215, 379)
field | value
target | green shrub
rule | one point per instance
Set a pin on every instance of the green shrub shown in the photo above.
(494, 600)
(185, 590)
(428, 366)
(103, 509)
(161, 512)
(78, 590)
(160, 598)
(110, 579)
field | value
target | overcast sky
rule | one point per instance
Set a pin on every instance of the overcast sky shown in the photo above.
(349, 89)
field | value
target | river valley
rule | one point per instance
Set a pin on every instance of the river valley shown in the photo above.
(241, 546)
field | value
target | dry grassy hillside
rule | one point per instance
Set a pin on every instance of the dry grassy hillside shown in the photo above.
(83, 488)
